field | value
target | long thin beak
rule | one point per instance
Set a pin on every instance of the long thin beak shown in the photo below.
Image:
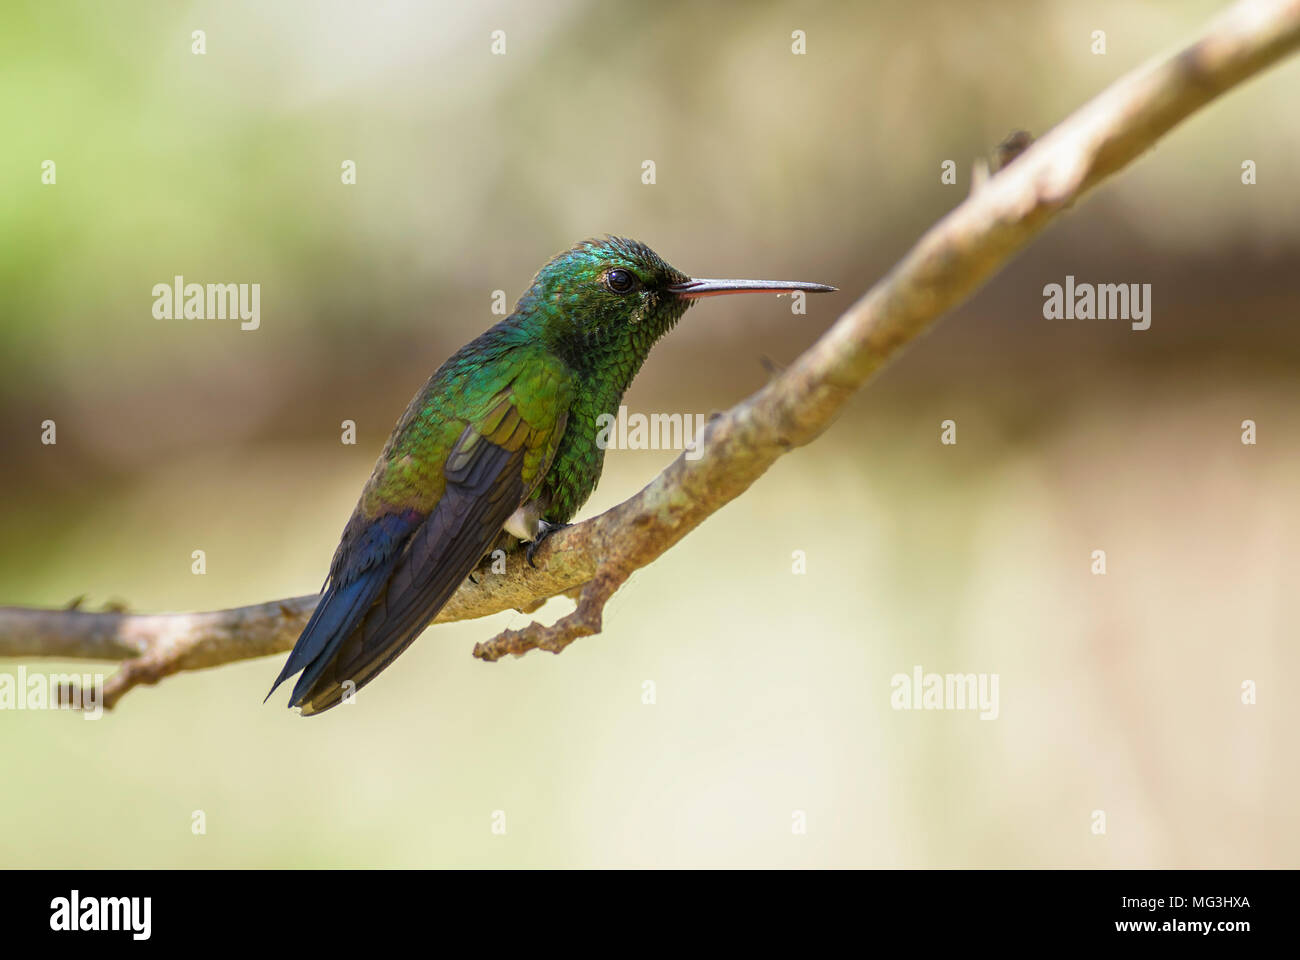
(691, 289)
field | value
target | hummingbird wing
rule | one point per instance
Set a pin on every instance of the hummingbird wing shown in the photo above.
(399, 564)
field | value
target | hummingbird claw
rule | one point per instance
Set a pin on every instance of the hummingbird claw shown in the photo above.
(544, 530)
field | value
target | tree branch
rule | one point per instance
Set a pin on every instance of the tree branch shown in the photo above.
(591, 560)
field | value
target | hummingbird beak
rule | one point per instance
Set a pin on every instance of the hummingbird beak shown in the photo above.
(692, 289)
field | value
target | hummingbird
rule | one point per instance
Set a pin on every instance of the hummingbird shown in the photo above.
(498, 449)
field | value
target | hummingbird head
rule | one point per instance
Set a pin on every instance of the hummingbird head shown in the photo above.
(614, 298)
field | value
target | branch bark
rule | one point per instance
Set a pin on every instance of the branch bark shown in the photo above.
(591, 560)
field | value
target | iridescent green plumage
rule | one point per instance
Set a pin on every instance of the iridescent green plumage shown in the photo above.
(503, 437)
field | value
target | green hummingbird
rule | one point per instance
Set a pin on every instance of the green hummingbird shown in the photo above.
(499, 447)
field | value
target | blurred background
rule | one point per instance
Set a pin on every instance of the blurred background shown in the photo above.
(1119, 693)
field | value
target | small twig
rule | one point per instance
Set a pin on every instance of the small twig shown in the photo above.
(585, 621)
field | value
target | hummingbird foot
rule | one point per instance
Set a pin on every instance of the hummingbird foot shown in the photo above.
(544, 530)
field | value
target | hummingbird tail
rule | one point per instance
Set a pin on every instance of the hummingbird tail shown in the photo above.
(368, 555)
(337, 610)
(366, 624)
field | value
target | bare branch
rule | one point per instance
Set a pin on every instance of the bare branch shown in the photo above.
(593, 559)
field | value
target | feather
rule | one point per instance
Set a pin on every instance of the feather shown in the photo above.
(441, 553)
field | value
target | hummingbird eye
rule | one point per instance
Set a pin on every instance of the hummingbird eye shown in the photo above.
(620, 281)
